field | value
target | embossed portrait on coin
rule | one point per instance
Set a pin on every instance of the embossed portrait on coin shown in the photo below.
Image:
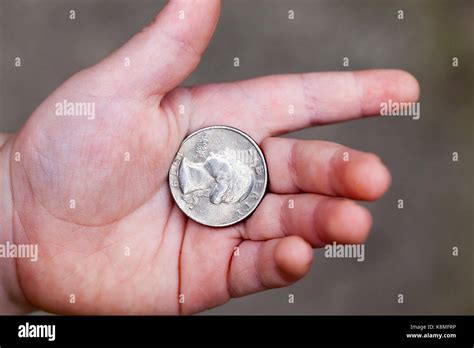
(221, 177)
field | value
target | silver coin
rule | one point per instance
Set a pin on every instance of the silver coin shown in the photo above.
(219, 176)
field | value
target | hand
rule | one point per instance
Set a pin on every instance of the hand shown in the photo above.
(109, 234)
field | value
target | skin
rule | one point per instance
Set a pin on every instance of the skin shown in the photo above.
(127, 204)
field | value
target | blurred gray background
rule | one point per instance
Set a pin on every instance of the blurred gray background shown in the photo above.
(409, 251)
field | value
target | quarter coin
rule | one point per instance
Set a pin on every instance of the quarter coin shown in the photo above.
(219, 176)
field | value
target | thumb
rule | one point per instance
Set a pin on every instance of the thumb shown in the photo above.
(163, 54)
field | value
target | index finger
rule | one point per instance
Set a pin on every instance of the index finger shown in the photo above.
(285, 103)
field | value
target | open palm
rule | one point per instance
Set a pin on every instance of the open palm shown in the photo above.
(93, 193)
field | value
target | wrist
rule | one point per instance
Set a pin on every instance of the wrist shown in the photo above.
(12, 300)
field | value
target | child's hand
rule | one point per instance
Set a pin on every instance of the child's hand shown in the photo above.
(92, 191)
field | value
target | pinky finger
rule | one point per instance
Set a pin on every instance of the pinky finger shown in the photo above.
(262, 265)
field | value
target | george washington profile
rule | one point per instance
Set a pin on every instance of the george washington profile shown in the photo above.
(221, 177)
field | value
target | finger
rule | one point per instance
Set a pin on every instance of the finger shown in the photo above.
(324, 167)
(285, 103)
(317, 219)
(3, 138)
(162, 55)
(269, 264)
